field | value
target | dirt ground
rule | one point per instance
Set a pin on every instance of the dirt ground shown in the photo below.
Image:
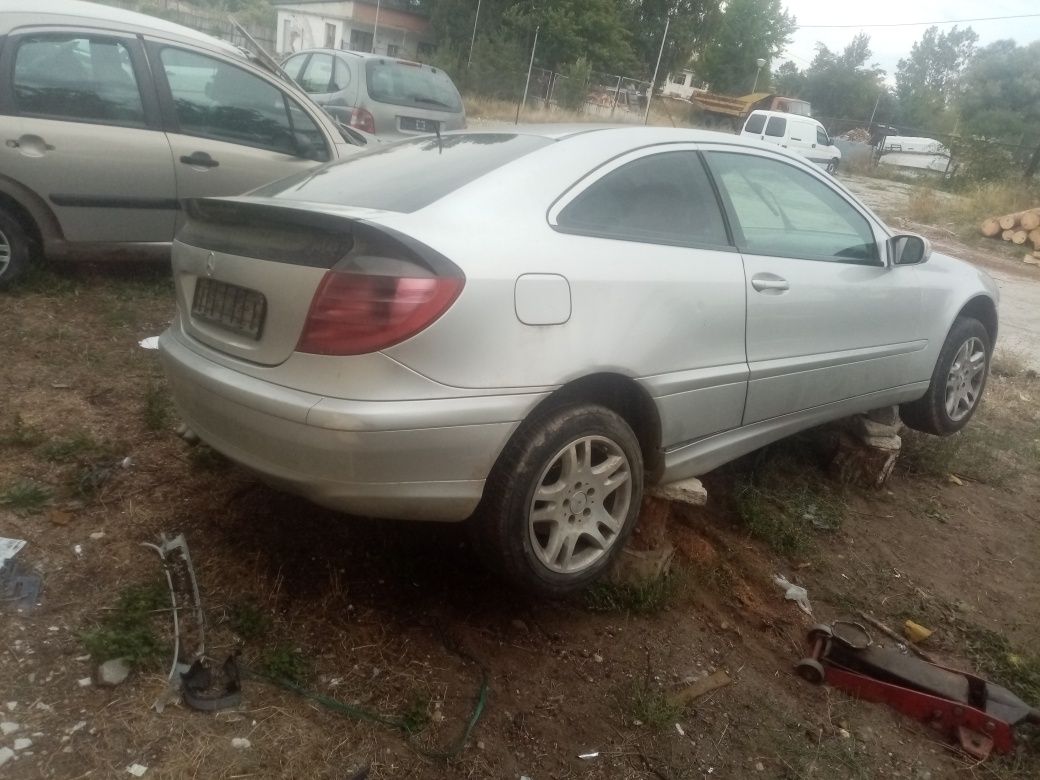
(399, 619)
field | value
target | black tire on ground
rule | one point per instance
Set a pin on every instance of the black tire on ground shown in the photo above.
(929, 414)
(501, 529)
(832, 166)
(14, 249)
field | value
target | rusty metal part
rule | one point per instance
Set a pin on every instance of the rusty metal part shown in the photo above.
(898, 639)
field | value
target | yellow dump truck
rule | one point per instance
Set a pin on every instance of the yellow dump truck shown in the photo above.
(732, 111)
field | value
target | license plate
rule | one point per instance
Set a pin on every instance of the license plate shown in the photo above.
(419, 125)
(230, 307)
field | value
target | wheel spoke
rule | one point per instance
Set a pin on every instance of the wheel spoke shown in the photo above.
(614, 482)
(550, 492)
(566, 553)
(596, 536)
(603, 517)
(546, 514)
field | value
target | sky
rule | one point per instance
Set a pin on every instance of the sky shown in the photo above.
(889, 44)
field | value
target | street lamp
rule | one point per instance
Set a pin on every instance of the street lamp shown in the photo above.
(759, 62)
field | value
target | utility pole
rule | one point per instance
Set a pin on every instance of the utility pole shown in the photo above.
(660, 53)
(870, 124)
(473, 39)
(530, 67)
(759, 62)
(375, 28)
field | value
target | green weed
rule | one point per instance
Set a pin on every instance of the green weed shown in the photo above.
(248, 621)
(642, 598)
(25, 497)
(19, 433)
(285, 663)
(71, 448)
(643, 703)
(127, 631)
(157, 409)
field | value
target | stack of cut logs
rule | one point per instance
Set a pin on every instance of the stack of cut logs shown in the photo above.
(1018, 228)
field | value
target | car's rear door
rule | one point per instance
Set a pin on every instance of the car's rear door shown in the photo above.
(231, 129)
(828, 318)
(80, 127)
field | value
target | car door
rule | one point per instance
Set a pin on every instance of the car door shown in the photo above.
(828, 318)
(650, 261)
(327, 79)
(80, 127)
(231, 130)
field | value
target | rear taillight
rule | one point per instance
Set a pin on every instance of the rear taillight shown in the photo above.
(363, 120)
(354, 313)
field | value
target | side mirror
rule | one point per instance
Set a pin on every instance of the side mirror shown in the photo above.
(909, 249)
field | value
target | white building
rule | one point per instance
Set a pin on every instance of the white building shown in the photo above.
(390, 27)
(678, 85)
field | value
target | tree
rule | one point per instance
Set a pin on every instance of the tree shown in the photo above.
(927, 80)
(693, 24)
(789, 81)
(844, 86)
(748, 30)
(1000, 97)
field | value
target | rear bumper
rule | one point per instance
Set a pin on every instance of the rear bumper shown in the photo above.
(352, 456)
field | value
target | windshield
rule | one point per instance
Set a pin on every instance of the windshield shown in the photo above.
(405, 176)
(410, 84)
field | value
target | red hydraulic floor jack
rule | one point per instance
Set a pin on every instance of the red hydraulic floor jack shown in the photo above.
(978, 714)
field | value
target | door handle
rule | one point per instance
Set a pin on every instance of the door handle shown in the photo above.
(199, 160)
(770, 283)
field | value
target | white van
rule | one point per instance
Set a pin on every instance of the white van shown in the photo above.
(800, 134)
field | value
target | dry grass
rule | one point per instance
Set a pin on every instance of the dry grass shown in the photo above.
(663, 112)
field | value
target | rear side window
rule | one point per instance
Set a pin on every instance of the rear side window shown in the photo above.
(83, 78)
(776, 126)
(405, 176)
(755, 123)
(409, 84)
(662, 198)
(213, 99)
(321, 76)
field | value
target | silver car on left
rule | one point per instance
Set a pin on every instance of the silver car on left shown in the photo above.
(108, 118)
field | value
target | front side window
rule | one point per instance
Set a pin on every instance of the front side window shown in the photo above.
(662, 198)
(783, 211)
(776, 126)
(822, 138)
(755, 123)
(83, 78)
(214, 99)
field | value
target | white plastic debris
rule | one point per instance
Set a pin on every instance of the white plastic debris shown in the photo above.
(795, 593)
(22, 743)
(241, 743)
(137, 770)
(152, 342)
(78, 549)
(587, 756)
(85, 682)
(7, 727)
(679, 730)
(9, 548)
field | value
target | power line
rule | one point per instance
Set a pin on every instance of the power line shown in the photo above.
(916, 24)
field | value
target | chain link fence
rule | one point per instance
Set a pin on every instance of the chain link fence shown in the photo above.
(215, 23)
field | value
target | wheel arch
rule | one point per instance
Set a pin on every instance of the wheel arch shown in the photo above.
(984, 309)
(622, 395)
(32, 213)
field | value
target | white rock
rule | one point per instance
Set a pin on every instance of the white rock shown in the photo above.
(81, 725)
(6, 754)
(113, 672)
(7, 727)
(84, 682)
(12, 706)
(685, 491)
(137, 770)
(22, 743)
(97, 535)
(241, 743)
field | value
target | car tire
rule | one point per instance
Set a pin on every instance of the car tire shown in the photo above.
(958, 381)
(561, 501)
(832, 166)
(14, 249)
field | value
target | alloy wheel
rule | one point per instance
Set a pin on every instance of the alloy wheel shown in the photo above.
(965, 379)
(580, 504)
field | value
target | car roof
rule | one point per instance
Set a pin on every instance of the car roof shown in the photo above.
(786, 114)
(18, 13)
(361, 55)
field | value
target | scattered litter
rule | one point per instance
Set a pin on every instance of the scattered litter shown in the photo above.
(845, 734)
(137, 770)
(61, 385)
(22, 743)
(597, 658)
(126, 462)
(587, 756)
(915, 632)
(113, 672)
(84, 682)
(9, 548)
(8, 728)
(700, 687)
(11, 706)
(78, 549)
(956, 480)
(760, 767)
(79, 726)
(679, 729)
(241, 743)
(6, 754)
(795, 593)
(97, 535)
(152, 342)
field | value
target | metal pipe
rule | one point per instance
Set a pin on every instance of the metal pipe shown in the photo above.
(375, 27)
(530, 67)
(660, 53)
(473, 39)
